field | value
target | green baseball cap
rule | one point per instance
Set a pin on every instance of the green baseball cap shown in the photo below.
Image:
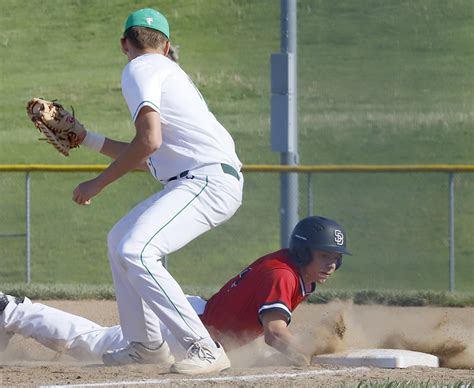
(148, 17)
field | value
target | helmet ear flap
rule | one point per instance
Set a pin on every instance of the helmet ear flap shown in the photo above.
(339, 262)
(302, 256)
(307, 256)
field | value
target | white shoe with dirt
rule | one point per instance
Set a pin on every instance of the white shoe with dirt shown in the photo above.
(6, 336)
(200, 359)
(137, 353)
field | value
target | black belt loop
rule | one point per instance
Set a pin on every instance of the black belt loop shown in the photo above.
(181, 175)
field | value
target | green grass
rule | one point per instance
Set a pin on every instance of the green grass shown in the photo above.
(379, 83)
(48, 291)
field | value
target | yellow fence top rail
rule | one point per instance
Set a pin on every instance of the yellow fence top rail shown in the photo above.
(368, 168)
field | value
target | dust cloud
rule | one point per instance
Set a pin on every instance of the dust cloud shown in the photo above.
(341, 325)
(319, 328)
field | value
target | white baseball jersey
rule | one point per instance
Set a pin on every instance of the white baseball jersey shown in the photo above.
(192, 136)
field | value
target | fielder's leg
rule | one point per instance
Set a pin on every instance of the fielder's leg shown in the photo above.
(167, 221)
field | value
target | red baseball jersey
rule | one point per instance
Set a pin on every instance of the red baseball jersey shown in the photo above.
(270, 283)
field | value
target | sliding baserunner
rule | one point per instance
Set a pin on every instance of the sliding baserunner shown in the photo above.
(260, 300)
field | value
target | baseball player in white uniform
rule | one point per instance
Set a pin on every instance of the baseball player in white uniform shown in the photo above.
(184, 147)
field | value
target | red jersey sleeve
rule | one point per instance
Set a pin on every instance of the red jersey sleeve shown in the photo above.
(276, 292)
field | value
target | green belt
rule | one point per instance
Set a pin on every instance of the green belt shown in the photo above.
(230, 170)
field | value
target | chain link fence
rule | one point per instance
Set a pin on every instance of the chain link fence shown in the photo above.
(409, 227)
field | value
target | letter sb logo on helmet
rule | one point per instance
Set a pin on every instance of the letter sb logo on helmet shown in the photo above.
(316, 233)
(338, 237)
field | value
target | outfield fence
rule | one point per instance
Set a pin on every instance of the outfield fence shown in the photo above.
(310, 171)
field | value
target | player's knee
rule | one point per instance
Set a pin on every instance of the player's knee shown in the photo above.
(120, 244)
(114, 237)
(128, 249)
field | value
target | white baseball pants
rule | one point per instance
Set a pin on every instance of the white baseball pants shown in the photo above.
(72, 334)
(146, 293)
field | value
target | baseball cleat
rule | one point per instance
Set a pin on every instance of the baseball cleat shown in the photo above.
(137, 353)
(201, 359)
(5, 299)
(6, 336)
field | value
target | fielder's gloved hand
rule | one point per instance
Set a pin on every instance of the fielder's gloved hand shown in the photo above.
(60, 127)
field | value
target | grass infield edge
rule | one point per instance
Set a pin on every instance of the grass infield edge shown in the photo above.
(41, 291)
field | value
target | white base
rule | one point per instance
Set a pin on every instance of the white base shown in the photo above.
(379, 358)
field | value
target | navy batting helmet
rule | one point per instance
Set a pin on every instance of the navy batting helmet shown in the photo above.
(316, 233)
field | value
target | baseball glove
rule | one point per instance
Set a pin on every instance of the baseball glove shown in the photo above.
(60, 127)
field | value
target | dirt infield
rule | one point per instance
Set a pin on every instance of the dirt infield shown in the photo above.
(445, 332)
